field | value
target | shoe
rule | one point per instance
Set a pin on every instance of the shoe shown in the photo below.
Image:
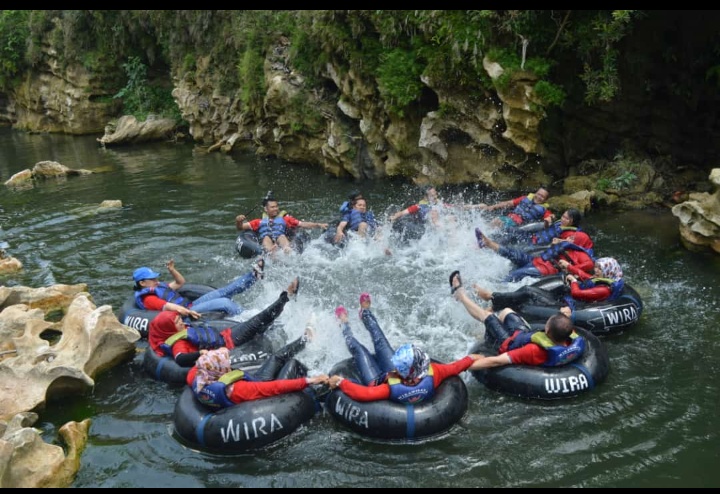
(479, 236)
(294, 287)
(341, 312)
(259, 268)
(453, 276)
(364, 303)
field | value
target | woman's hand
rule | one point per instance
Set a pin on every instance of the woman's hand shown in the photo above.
(335, 381)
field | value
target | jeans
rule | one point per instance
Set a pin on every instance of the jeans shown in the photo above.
(372, 368)
(521, 259)
(497, 332)
(219, 300)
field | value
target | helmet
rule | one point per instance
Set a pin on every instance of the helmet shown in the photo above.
(411, 362)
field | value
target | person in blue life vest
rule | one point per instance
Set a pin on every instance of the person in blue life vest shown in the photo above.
(427, 210)
(275, 227)
(152, 294)
(358, 219)
(529, 208)
(346, 206)
(405, 375)
(515, 341)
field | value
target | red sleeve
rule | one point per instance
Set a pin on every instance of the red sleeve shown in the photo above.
(517, 200)
(547, 214)
(361, 392)
(255, 224)
(580, 262)
(413, 209)
(183, 346)
(530, 354)
(291, 221)
(594, 294)
(191, 375)
(443, 371)
(153, 302)
(253, 390)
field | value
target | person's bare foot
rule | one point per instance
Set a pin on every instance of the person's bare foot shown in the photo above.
(293, 287)
(482, 292)
(309, 334)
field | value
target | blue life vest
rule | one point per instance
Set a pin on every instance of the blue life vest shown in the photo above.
(528, 210)
(555, 251)
(272, 228)
(214, 394)
(412, 395)
(553, 231)
(556, 354)
(355, 217)
(424, 209)
(164, 292)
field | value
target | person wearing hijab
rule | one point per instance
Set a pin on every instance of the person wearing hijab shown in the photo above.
(216, 385)
(573, 254)
(405, 375)
(169, 335)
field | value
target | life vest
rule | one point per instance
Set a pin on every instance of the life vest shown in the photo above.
(202, 336)
(164, 292)
(553, 231)
(272, 228)
(355, 217)
(412, 395)
(528, 210)
(424, 209)
(214, 395)
(556, 354)
(554, 252)
(616, 287)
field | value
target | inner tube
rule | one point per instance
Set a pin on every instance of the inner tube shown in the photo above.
(248, 356)
(140, 319)
(248, 245)
(600, 318)
(247, 426)
(548, 383)
(409, 227)
(395, 422)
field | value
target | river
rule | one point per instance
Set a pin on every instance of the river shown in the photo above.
(650, 424)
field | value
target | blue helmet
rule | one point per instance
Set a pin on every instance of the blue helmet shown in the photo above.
(411, 362)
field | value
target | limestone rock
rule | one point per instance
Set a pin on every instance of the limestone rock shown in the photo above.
(700, 218)
(128, 130)
(56, 359)
(26, 461)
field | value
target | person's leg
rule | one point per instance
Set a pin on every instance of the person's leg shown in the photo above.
(260, 322)
(268, 244)
(218, 305)
(284, 243)
(513, 300)
(238, 285)
(518, 257)
(525, 271)
(274, 365)
(383, 350)
(365, 362)
(495, 332)
(362, 229)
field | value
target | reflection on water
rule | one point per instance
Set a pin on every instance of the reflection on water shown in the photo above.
(648, 425)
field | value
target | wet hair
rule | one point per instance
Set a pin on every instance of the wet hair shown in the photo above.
(575, 216)
(355, 195)
(560, 327)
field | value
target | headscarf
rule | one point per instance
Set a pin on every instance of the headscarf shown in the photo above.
(162, 328)
(211, 365)
(410, 362)
(610, 268)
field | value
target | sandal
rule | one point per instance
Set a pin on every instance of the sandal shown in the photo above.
(364, 303)
(453, 275)
(259, 268)
(292, 290)
(341, 312)
(479, 237)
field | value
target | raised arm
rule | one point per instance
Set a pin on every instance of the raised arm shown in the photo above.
(178, 279)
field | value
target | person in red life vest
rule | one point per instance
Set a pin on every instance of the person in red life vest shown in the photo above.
(274, 227)
(405, 376)
(168, 334)
(526, 209)
(606, 284)
(152, 294)
(216, 385)
(572, 254)
(515, 342)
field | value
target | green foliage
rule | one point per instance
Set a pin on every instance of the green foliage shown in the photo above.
(399, 79)
(550, 94)
(304, 116)
(622, 175)
(14, 32)
(252, 79)
(140, 98)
